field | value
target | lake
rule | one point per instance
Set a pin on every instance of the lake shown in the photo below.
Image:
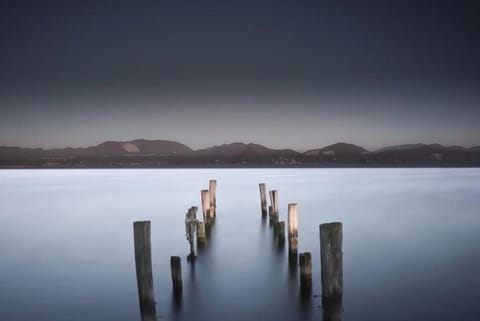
(411, 243)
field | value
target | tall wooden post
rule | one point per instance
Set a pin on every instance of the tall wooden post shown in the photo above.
(305, 273)
(143, 266)
(190, 228)
(263, 198)
(274, 202)
(292, 232)
(212, 188)
(176, 269)
(331, 262)
(205, 204)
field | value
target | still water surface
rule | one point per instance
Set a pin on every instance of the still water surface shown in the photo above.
(411, 243)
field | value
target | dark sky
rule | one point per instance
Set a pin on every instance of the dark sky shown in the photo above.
(296, 74)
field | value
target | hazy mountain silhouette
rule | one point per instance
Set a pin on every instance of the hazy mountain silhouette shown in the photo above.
(140, 146)
(339, 152)
(160, 153)
(337, 149)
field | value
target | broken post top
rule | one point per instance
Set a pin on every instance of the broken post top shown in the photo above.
(140, 223)
(174, 260)
(305, 258)
(331, 235)
(335, 227)
(192, 213)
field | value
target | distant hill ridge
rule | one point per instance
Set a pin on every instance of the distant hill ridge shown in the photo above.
(143, 152)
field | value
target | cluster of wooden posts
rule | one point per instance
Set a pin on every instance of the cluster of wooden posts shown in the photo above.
(331, 255)
(143, 253)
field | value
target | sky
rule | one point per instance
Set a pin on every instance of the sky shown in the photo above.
(285, 74)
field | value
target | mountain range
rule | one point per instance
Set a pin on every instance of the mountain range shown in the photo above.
(164, 153)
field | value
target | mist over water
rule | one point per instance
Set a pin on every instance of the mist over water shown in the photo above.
(410, 243)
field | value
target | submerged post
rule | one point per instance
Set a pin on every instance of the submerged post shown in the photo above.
(176, 268)
(305, 273)
(263, 198)
(292, 232)
(331, 262)
(143, 266)
(205, 204)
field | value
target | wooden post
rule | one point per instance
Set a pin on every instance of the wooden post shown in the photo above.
(274, 202)
(280, 233)
(190, 228)
(205, 204)
(331, 262)
(263, 198)
(176, 268)
(201, 238)
(143, 266)
(270, 194)
(292, 233)
(305, 273)
(212, 186)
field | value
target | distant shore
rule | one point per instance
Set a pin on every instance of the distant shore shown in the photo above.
(306, 166)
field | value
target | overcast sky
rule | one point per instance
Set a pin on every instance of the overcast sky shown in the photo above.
(293, 74)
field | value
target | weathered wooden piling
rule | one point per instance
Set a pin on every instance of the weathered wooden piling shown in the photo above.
(273, 209)
(274, 202)
(201, 237)
(270, 195)
(331, 262)
(190, 228)
(292, 233)
(176, 269)
(212, 188)
(305, 260)
(279, 230)
(143, 266)
(263, 198)
(205, 204)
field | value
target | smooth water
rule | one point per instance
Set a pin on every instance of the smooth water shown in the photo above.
(411, 243)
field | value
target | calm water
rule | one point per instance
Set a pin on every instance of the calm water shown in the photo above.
(411, 243)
